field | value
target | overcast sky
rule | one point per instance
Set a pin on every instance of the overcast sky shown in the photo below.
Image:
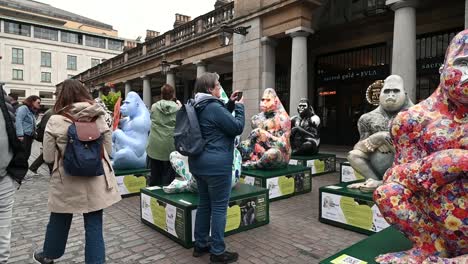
(133, 17)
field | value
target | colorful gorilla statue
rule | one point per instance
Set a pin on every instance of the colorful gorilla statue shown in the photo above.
(129, 142)
(267, 146)
(305, 136)
(180, 164)
(424, 194)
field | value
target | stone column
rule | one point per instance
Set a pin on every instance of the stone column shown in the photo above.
(299, 85)
(466, 14)
(170, 78)
(201, 68)
(128, 87)
(404, 43)
(147, 91)
(269, 61)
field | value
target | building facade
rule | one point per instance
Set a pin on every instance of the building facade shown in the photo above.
(327, 51)
(41, 46)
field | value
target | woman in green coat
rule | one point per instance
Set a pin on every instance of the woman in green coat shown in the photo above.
(161, 138)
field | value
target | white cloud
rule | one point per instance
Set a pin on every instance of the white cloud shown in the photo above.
(133, 17)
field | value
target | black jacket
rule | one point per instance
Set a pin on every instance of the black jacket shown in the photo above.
(18, 166)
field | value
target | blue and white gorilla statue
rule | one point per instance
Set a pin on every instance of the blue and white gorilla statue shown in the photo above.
(181, 167)
(129, 141)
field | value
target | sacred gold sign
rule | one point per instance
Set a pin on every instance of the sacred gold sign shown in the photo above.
(373, 92)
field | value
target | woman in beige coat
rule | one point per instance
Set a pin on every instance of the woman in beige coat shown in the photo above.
(76, 194)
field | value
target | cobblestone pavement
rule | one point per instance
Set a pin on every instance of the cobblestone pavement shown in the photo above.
(294, 234)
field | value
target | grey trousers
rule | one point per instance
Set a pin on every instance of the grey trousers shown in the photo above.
(7, 193)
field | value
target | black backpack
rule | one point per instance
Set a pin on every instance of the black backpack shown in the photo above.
(188, 139)
(84, 151)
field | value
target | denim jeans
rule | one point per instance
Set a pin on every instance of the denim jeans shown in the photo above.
(57, 235)
(7, 193)
(213, 199)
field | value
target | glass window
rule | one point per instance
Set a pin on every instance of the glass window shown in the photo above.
(17, 56)
(48, 95)
(20, 93)
(46, 59)
(95, 62)
(70, 37)
(17, 28)
(115, 44)
(17, 74)
(45, 33)
(95, 42)
(46, 77)
(71, 62)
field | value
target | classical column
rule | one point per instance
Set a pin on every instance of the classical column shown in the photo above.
(147, 90)
(269, 61)
(466, 14)
(299, 73)
(201, 68)
(404, 43)
(128, 87)
(170, 78)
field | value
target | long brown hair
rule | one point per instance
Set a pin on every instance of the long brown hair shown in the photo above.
(30, 100)
(73, 91)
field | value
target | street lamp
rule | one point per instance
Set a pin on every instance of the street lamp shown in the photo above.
(226, 32)
(166, 65)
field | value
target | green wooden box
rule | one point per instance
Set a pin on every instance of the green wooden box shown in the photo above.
(319, 164)
(131, 181)
(350, 209)
(348, 174)
(365, 251)
(174, 214)
(281, 183)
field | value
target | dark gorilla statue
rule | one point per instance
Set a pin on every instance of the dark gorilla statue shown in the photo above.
(305, 135)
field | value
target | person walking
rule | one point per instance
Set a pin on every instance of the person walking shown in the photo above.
(26, 121)
(40, 129)
(213, 167)
(87, 195)
(13, 167)
(161, 138)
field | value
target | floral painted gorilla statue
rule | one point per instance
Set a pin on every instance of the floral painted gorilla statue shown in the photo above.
(268, 144)
(424, 194)
(188, 183)
(129, 142)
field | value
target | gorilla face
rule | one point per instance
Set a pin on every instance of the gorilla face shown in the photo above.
(302, 107)
(454, 80)
(392, 97)
(129, 106)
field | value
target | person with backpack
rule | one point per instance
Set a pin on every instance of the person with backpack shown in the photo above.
(77, 140)
(161, 137)
(13, 167)
(212, 168)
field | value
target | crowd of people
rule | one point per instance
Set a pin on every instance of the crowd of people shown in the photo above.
(90, 195)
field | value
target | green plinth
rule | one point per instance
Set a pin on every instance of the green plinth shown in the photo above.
(388, 240)
(319, 163)
(348, 174)
(131, 181)
(350, 209)
(282, 183)
(174, 214)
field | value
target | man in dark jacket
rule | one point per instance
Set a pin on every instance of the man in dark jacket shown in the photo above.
(13, 167)
(39, 137)
(213, 167)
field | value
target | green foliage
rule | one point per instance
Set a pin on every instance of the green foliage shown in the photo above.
(110, 99)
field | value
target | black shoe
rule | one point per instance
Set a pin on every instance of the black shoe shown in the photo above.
(226, 257)
(38, 257)
(198, 252)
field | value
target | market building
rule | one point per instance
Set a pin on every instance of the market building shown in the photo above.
(42, 45)
(327, 51)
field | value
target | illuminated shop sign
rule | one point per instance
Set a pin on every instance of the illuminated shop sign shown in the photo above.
(378, 72)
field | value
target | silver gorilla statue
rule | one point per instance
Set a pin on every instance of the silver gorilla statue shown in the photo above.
(374, 152)
(305, 136)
